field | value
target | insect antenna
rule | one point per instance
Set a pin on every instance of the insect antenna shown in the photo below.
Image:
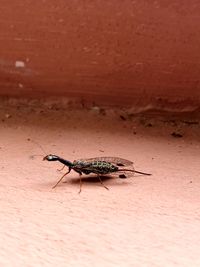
(39, 146)
(35, 155)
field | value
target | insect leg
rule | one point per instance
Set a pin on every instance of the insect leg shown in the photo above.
(61, 168)
(80, 184)
(80, 173)
(61, 178)
(102, 183)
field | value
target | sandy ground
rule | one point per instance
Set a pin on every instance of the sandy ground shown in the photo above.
(140, 221)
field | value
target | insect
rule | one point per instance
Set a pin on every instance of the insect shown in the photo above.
(99, 166)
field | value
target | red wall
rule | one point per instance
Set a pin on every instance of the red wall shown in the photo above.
(124, 52)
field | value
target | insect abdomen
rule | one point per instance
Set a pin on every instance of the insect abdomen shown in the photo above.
(103, 167)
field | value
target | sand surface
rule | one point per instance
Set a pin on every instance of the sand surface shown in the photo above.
(140, 221)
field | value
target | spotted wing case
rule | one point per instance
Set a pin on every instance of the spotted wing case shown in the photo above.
(114, 160)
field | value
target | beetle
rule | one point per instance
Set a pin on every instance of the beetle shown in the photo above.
(99, 166)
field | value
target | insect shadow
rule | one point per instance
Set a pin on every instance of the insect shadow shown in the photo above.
(92, 179)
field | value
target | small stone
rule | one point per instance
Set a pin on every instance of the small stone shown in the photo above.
(8, 116)
(176, 135)
(122, 118)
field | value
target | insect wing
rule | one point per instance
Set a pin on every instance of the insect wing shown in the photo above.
(119, 162)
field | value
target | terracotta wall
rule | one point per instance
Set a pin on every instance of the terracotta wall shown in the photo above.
(109, 51)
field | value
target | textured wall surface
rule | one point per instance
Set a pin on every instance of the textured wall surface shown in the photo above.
(134, 52)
